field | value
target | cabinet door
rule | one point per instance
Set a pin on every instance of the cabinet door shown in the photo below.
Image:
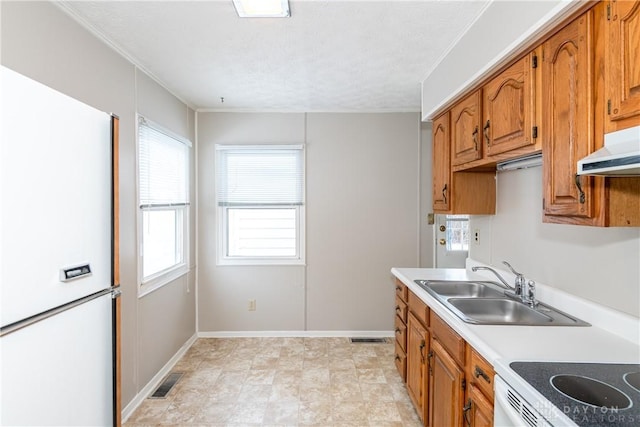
(508, 108)
(466, 142)
(479, 411)
(441, 164)
(567, 126)
(445, 389)
(623, 61)
(417, 350)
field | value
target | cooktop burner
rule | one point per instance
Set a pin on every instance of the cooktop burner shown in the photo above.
(590, 394)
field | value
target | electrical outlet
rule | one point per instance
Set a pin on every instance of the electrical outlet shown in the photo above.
(476, 236)
(252, 305)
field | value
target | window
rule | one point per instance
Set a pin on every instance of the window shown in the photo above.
(260, 196)
(457, 232)
(163, 164)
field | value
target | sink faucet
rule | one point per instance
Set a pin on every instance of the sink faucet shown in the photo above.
(504, 282)
(520, 280)
(523, 289)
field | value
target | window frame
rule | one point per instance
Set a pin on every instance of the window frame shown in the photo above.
(222, 238)
(163, 277)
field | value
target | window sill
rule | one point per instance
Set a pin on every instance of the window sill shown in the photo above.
(259, 262)
(162, 280)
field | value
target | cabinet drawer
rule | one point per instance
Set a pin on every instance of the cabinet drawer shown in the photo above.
(451, 341)
(401, 309)
(481, 374)
(401, 362)
(401, 333)
(401, 290)
(419, 309)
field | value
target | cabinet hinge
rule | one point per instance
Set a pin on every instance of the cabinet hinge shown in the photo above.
(534, 61)
(534, 132)
(608, 106)
(608, 11)
(464, 384)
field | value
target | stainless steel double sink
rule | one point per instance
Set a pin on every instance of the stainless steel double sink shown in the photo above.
(485, 303)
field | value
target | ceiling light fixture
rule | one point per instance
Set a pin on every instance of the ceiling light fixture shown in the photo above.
(262, 8)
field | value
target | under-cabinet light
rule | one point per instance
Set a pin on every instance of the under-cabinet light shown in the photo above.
(521, 163)
(262, 8)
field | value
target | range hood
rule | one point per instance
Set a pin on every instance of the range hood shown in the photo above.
(620, 155)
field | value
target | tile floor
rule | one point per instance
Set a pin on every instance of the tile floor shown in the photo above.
(283, 382)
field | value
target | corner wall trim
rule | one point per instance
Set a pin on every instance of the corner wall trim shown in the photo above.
(156, 380)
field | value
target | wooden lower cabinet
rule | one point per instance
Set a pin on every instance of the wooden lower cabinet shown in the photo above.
(446, 388)
(417, 375)
(449, 383)
(478, 411)
(400, 323)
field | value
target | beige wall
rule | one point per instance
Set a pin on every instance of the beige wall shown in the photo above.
(361, 216)
(598, 264)
(42, 42)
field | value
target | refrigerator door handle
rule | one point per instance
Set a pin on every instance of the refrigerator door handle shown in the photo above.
(16, 326)
(116, 293)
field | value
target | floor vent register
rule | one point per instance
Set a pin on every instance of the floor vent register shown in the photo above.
(166, 385)
(368, 340)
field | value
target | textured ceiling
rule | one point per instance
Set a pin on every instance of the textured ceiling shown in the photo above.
(329, 56)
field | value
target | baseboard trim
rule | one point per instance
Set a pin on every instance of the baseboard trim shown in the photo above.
(156, 380)
(295, 334)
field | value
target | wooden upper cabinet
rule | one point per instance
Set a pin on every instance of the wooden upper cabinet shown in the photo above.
(458, 192)
(508, 105)
(567, 121)
(441, 164)
(622, 82)
(466, 139)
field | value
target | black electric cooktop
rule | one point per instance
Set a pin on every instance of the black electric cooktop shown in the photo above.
(590, 394)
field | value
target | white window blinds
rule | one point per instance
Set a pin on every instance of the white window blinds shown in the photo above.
(163, 167)
(260, 175)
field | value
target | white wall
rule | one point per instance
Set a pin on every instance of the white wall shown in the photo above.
(595, 263)
(224, 292)
(41, 42)
(494, 36)
(362, 205)
(427, 230)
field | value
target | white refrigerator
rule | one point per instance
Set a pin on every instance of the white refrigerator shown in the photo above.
(57, 292)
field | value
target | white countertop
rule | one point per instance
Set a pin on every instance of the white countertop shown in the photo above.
(610, 339)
